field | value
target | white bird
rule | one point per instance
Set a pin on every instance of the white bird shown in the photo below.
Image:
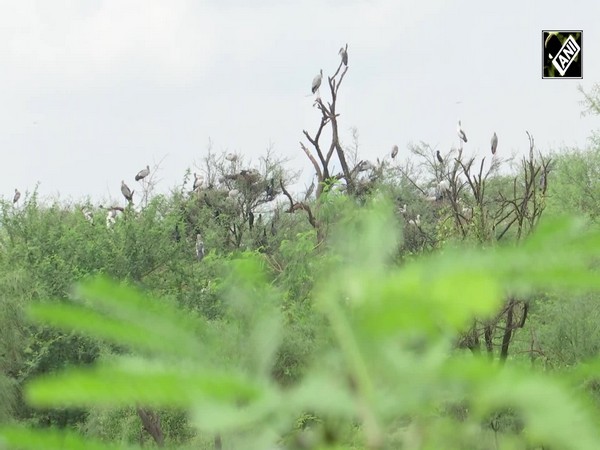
(231, 157)
(415, 222)
(467, 212)
(142, 174)
(344, 54)
(403, 209)
(494, 143)
(365, 165)
(199, 247)
(88, 215)
(127, 193)
(198, 180)
(17, 196)
(110, 217)
(394, 151)
(444, 185)
(461, 133)
(233, 193)
(317, 81)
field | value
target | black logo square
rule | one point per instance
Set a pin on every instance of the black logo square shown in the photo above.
(562, 54)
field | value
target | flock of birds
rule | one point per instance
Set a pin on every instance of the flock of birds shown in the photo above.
(111, 215)
(444, 185)
(231, 157)
(316, 84)
(365, 165)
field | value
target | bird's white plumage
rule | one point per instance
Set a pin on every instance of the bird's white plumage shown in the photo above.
(127, 193)
(494, 143)
(199, 247)
(198, 180)
(142, 174)
(394, 151)
(316, 83)
(416, 221)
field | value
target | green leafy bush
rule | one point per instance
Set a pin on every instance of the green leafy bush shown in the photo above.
(385, 374)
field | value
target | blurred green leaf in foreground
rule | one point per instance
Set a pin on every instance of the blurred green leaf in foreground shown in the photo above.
(388, 374)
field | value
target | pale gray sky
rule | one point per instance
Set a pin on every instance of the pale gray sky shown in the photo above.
(91, 91)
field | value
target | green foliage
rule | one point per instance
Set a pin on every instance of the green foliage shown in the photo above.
(575, 186)
(386, 375)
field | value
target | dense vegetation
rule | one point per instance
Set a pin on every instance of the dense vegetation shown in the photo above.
(416, 303)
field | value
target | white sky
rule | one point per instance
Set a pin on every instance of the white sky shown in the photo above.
(91, 91)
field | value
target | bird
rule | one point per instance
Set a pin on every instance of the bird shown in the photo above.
(416, 221)
(317, 81)
(197, 181)
(233, 193)
(344, 54)
(439, 157)
(403, 209)
(444, 185)
(17, 196)
(394, 151)
(142, 174)
(231, 157)
(127, 193)
(365, 165)
(461, 133)
(467, 212)
(494, 143)
(88, 215)
(199, 247)
(110, 217)
(270, 191)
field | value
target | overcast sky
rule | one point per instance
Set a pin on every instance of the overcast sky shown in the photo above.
(91, 91)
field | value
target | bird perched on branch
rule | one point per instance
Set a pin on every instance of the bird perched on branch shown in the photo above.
(494, 143)
(199, 247)
(87, 214)
(198, 180)
(461, 133)
(316, 83)
(394, 151)
(344, 54)
(17, 196)
(270, 190)
(231, 157)
(416, 222)
(127, 193)
(365, 165)
(142, 174)
(439, 157)
(444, 185)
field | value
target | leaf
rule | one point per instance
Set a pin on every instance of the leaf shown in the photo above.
(124, 316)
(135, 381)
